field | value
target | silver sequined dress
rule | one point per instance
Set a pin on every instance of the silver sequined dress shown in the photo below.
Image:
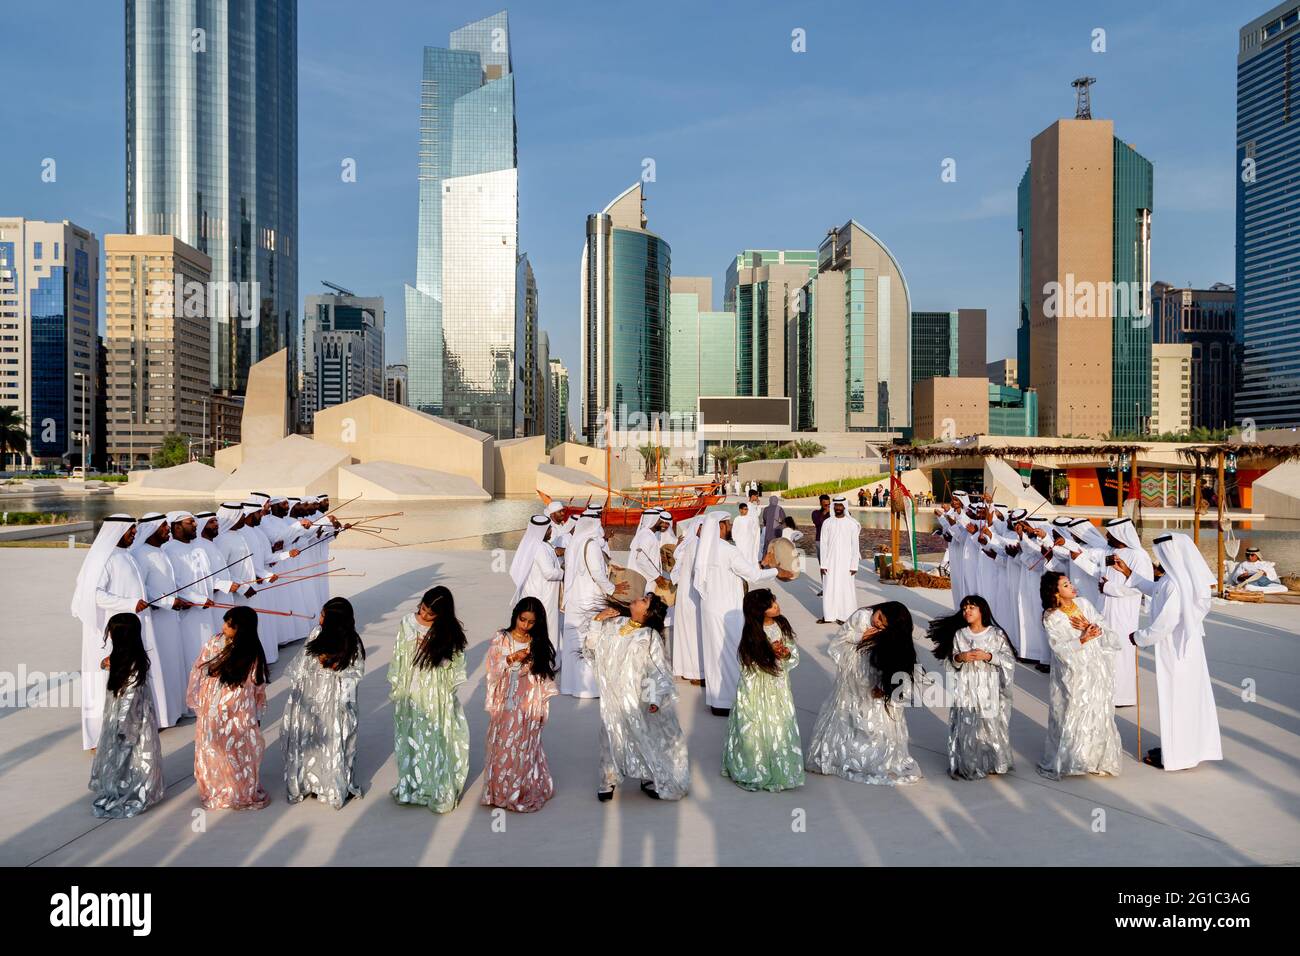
(633, 672)
(1081, 733)
(979, 718)
(319, 730)
(859, 736)
(126, 775)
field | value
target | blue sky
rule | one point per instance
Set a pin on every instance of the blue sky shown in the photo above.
(755, 146)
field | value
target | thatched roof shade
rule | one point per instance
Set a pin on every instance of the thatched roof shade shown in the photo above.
(1207, 456)
(1017, 453)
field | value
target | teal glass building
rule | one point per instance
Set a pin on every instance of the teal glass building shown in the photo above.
(626, 302)
(701, 355)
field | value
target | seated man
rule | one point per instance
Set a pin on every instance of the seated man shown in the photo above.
(1256, 575)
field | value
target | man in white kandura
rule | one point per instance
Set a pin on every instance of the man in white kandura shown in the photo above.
(161, 588)
(108, 583)
(747, 533)
(1121, 601)
(839, 552)
(1180, 601)
(537, 572)
(719, 570)
(194, 578)
(686, 610)
(563, 526)
(1256, 574)
(643, 555)
(587, 590)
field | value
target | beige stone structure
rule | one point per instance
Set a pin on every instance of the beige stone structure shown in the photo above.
(1277, 493)
(157, 317)
(1071, 184)
(515, 462)
(389, 481)
(592, 461)
(294, 465)
(190, 480)
(266, 416)
(1171, 388)
(950, 407)
(372, 429)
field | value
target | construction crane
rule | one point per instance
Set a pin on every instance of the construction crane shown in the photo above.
(1082, 101)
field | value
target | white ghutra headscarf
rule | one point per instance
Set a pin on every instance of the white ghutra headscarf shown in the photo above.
(1183, 563)
(83, 605)
(528, 547)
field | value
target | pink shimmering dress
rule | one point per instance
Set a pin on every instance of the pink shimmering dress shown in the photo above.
(228, 744)
(515, 773)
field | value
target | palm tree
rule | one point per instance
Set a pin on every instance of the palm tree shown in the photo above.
(13, 437)
(725, 455)
(807, 448)
(650, 452)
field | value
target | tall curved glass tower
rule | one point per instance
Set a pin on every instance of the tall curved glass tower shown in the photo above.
(626, 296)
(461, 347)
(212, 159)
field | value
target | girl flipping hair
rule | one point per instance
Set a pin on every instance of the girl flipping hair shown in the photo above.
(227, 693)
(642, 738)
(763, 750)
(520, 685)
(859, 734)
(430, 732)
(981, 666)
(319, 735)
(126, 776)
(1081, 732)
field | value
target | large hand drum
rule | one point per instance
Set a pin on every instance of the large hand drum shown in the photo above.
(787, 556)
(635, 583)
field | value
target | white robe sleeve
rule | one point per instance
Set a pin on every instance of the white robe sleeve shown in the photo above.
(597, 572)
(1164, 619)
(106, 599)
(745, 568)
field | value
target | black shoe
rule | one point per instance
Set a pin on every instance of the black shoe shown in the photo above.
(649, 790)
(603, 795)
(721, 711)
(1152, 759)
(1043, 668)
(822, 620)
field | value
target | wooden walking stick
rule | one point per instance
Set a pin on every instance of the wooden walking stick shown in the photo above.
(1137, 683)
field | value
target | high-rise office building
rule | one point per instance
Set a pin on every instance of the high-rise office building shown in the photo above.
(701, 348)
(156, 343)
(342, 351)
(1268, 208)
(1084, 338)
(461, 315)
(948, 344)
(625, 289)
(1003, 372)
(762, 290)
(49, 310)
(1207, 320)
(852, 340)
(558, 396)
(212, 158)
(534, 356)
(395, 378)
(1171, 388)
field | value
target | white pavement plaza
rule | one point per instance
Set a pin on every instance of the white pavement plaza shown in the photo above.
(1243, 810)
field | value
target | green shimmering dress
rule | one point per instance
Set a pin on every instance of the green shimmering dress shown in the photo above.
(763, 751)
(430, 732)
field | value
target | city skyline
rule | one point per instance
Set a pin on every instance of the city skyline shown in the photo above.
(578, 145)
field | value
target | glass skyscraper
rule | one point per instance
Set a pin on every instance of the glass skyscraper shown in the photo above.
(461, 342)
(1268, 210)
(212, 159)
(625, 301)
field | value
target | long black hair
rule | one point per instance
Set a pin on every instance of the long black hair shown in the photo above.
(445, 637)
(654, 615)
(943, 630)
(242, 656)
(337, 644)
(128, 662)
(1047, 589)
(541, 653)
(891, 650)
(755, 649)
